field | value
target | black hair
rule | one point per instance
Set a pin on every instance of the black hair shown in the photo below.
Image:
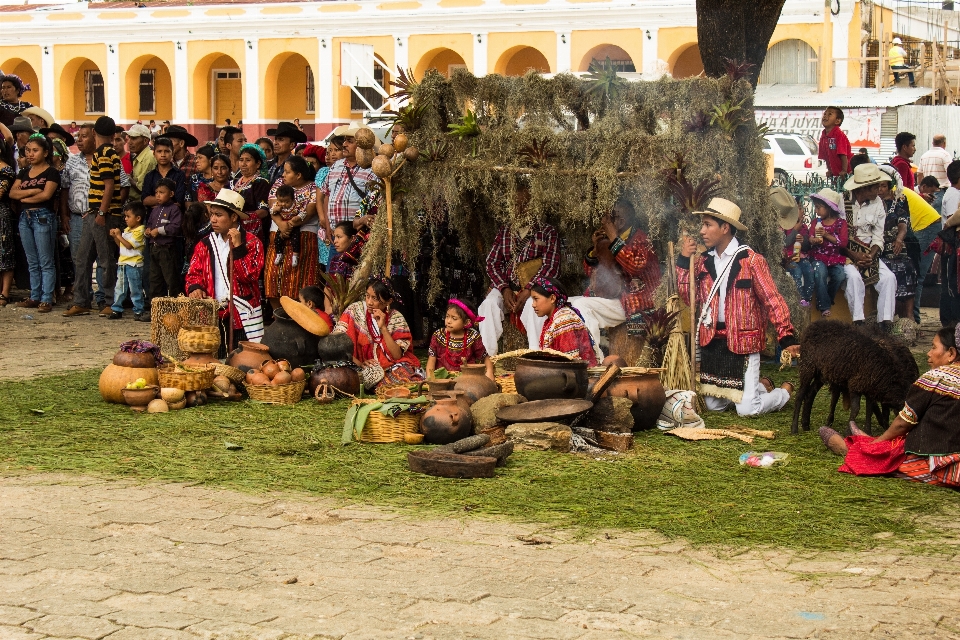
(6, 154)
(930, 181)
(255, 155)
(313, 293)
(267, 140)
(347, 225)
(136, 207)
(628, 203)
(859, 159)
(286, 191)
(380, 289)
(223, 158)
(733, 229)
(460, 312)
(953, 172)
(208, 151)
(903, 139)
(230, 136)
(44, 142)
(301, 166)
(546, 294)
(163, 142)
(948, 337)
(337, 141)
(193, 220)
(168, 183)
(838, 111)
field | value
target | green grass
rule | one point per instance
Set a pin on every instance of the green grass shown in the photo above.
(694, 490)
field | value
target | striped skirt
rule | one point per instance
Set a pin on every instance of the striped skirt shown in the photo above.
(284, 279)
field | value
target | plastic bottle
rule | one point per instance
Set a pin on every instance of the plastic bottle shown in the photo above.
(796, 249)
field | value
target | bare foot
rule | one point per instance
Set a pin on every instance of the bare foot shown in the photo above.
(833, 441)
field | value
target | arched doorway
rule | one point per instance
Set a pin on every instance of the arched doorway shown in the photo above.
(149, 94)
(294, 88)
(83, 94)
(789, 62)
(620, 59)
(443, 60)
(218, 89)
(687, 63)
(516, 61)
(22, 68)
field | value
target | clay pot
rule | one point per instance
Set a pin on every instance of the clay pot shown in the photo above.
(344, 379)
(115, 379)
(140, 397)
(446, 422)
(201, 358)
(249, 354)
(647, 394)
(288, 341)
(440, 385)
(134, 360)
(473, 381)
(544, 377)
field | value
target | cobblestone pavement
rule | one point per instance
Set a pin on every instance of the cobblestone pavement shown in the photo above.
(82, 557)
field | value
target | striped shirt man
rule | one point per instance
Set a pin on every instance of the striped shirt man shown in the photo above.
(106, 166)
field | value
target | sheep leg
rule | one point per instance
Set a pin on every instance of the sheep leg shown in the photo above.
(854, 407)
(871, 409)
(835, 393)
(812, 392)
(801, 392)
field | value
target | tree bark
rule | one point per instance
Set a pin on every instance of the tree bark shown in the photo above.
(736, 29)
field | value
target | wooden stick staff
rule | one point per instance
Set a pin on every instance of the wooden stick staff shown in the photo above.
(230, 294)
(693, 320)
(389, 198)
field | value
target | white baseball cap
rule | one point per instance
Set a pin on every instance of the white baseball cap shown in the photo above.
(139, 131)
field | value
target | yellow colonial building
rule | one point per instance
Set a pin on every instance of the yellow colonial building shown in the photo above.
(325, 63)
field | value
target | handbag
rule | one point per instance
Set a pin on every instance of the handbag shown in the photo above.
(527, 271)
(871, 272)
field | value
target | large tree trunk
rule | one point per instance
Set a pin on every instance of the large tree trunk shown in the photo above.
(736, 29)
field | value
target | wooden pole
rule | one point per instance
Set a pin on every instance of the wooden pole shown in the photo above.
(693, 321)
(389, 197)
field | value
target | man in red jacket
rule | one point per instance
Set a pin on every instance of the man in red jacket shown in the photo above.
(736, 295)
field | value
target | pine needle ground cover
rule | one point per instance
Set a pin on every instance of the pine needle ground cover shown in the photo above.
(693, 490)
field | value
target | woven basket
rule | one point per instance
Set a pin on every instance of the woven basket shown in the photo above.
(198, 339)
(381, 429)
(236, 375)
(169, 315)
(289, 393)
(507, 383)
(199, 378)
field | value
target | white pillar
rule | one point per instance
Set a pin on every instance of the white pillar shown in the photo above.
(327, 81)
(401, 55)
(650, 46)
(182, 84)
(48, 81)
(112, 80)
(479, 54)
(251, 82)
(841, 44)
(563, 52)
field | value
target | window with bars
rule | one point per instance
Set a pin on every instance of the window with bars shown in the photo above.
(622, 66)
(148, 91)
(370, 93)
(95, 100)
(311, 92)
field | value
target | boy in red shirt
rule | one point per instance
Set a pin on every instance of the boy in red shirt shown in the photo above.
(906, 146)
(834, 145)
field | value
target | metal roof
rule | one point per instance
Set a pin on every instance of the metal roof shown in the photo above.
(769, 96)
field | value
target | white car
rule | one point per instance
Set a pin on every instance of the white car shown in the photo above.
(794, 155)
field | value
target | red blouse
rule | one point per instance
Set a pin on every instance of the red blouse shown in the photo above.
(452, 353)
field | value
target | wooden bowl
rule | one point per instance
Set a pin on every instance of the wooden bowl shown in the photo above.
(413, 438)
(140, 397)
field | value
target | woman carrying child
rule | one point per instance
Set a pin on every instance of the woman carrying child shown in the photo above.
(828, 243)
(381, 338)
(564, 329)
(459, 342)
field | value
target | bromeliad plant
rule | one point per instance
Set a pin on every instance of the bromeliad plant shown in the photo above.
(467, 129)
(657, 326)
(537, 153)
(689, 197)
(728, 116)
(603, 81)
(342, 291)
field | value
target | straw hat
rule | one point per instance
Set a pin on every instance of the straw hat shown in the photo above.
(865, 175)
(786, 207)
(229, 200)
(723, 209)
(306, 317)
(830, 198)
(41, 113)
(346, 130)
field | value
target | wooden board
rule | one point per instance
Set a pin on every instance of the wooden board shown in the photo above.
(451, 465)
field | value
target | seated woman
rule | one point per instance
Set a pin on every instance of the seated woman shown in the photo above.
(459, 342)
(381, 338)
(564, 329)
(923, 443)
(208, 277)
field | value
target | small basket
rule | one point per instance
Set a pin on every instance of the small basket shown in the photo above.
(289, 393)
(381, 429)
(507, 383)
(198, 339)
(235, 375)
(197, 380)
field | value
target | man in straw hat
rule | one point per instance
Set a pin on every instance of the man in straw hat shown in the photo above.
(866, 225)
(209, 275)
(736, 295)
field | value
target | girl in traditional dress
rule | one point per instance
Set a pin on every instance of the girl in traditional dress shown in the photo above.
(564, 329)
(458, 343)
(381, 338)
(923, 442)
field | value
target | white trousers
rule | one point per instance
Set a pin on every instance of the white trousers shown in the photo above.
(598, 313)
(886, 293)
(756, 400)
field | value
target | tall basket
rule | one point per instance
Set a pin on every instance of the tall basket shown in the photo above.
(169, 315)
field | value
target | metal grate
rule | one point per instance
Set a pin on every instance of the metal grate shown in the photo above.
(94, 98)
(311, 92)
(148, 91)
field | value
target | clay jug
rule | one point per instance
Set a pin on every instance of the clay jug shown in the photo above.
(647, 394)
(287, 340)
(473, 381)
(249, 354)
(446, 422)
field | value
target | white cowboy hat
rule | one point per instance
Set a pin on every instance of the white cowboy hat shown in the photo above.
(786, 207)
(229, 200)
(723, 209)
(865, 175)
(41, 113)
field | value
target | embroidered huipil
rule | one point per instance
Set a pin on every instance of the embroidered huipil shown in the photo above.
(564, 331)
(451, 353)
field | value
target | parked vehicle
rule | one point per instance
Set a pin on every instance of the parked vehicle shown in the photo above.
(794, 155)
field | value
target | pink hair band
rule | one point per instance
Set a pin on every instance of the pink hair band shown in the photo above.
(471, 316)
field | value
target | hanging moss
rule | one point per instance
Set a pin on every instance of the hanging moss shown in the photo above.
(631, 137)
